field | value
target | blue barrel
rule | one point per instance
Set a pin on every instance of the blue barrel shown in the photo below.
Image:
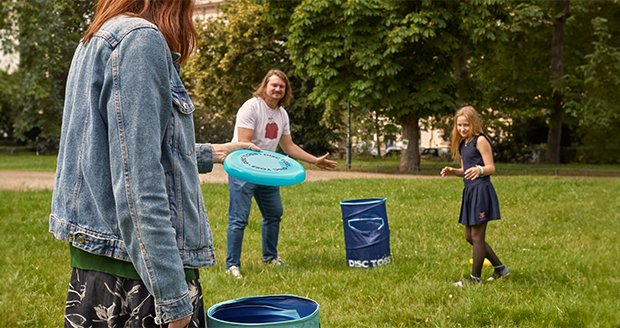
(265, 311)
(366, 232)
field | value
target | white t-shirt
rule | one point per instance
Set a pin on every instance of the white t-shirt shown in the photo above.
(268, 124)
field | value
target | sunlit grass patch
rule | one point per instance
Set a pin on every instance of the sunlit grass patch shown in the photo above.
(559, 236)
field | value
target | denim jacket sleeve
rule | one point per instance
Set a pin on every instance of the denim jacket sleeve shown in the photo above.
(137, 114)
(204, 157)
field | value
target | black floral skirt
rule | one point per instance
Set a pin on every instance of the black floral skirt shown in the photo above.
(98, 299)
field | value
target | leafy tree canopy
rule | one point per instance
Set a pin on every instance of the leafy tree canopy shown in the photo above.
(393, 56)
(235, 51)
(44, 34)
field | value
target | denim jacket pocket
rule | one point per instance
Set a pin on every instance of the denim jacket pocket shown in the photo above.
(182, 124)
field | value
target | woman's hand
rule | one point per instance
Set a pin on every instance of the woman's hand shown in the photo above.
(220, 151)
(181, 323)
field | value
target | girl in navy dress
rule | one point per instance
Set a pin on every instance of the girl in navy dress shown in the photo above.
(479, 204)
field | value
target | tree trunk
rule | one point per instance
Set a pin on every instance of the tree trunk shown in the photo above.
(461, 73)
(557, 71)
(410, 158)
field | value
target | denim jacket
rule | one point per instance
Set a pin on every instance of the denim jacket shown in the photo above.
(127, 183)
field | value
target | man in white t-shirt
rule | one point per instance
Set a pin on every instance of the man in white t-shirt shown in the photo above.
(264, 122)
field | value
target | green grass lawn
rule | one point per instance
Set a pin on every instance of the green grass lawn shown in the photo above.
(31, 162)
(28, 162)
(559, 236)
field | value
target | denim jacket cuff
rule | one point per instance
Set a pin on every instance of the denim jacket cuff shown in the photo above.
(166, 312)
(204, 157)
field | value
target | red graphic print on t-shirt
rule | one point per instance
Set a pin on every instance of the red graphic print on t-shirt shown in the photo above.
(271, 130)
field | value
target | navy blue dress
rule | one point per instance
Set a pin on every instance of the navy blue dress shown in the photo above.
(479, 203)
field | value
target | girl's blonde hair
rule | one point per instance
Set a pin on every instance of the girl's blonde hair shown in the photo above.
(475, 128)
(173, 18)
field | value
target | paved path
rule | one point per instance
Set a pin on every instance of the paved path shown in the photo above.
(30, 180)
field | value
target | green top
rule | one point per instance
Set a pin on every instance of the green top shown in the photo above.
(88, 261)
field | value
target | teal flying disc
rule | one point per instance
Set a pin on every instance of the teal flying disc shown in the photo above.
(264, 167)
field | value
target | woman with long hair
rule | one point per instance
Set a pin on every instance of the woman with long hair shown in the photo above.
(127, 194)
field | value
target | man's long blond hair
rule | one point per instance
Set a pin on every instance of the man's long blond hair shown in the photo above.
(262, 88)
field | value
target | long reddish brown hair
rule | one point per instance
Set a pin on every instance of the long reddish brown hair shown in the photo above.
(475, 128)
(172, 17)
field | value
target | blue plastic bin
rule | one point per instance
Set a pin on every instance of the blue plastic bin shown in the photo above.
(366, 232)
(265, 311)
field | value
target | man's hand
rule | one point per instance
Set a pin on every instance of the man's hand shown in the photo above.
(324, 163)
(220, 151)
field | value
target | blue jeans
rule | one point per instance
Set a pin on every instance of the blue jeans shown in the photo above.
(270, 205)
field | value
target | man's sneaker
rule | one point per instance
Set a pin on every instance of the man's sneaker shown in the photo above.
(471, 280)
(234, 271)
(275, 261)
(498, 274)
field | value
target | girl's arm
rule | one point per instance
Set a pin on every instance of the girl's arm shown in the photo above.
(452, 171)
(484, 147)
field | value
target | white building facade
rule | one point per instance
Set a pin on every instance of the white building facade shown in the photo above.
(206, 9)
